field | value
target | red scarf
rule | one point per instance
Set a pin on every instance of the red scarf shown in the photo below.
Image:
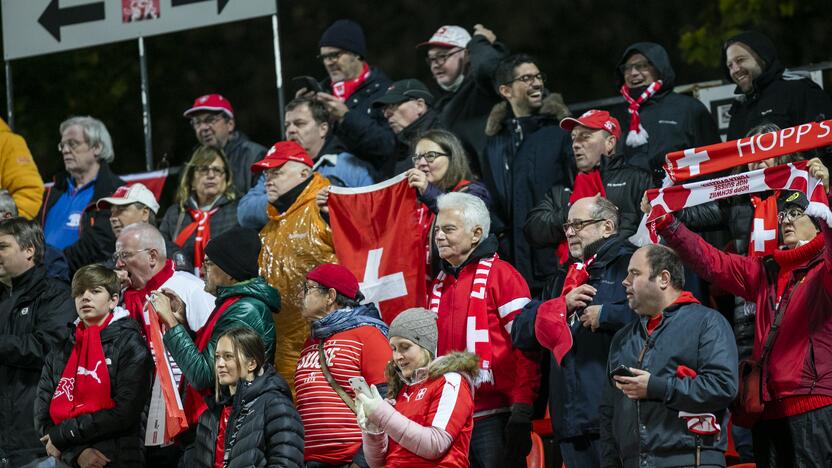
(134, 299)
(195, 399)
(637, 135)
(219, 451)
(763, 240)
(84, 387)
(201, 225)
(477, 332)
(586, 185)
(344, 89)
(790, 259)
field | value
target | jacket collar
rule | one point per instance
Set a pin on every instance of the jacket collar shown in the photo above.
(486, 248)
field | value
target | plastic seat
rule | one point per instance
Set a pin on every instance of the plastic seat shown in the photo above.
(537, 455)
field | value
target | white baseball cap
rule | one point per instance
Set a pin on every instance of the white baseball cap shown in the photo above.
(448, 36)
(136, 193)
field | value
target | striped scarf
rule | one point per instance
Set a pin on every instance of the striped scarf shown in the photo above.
(637, 135)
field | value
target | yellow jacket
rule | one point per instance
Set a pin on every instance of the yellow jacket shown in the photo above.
(294, 243)
(18, 173)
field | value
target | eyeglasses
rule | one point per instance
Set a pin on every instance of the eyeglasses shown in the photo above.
(207, 120)
(577, 226)
(71, 144)
(332, 56)
(429, 156)
(440, 59)
(205, 170)
(789, 215)
(529, 79)
(126, 254)
(305, 288)
(640, 67)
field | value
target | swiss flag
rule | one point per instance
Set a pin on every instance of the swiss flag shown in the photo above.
(379, 235)
(763, 240)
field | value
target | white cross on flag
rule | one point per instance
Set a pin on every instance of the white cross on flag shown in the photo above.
(379, 236)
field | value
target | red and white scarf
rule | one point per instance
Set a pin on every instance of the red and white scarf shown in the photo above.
(344, 89)
(637, 135)
(763, 240)
(477, 338)
(792, 176)
(201, 225)
(84, 387)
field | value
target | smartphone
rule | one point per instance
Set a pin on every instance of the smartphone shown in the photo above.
(311, 84)
(359, 385)
(621, 370)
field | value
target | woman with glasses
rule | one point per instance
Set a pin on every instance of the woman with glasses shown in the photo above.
(441, 166)
(206, 204)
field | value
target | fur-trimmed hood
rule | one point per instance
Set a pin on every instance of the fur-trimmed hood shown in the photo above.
(553, 107)
(463, 362)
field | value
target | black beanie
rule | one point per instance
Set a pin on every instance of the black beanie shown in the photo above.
(346, 35)
(236, 251)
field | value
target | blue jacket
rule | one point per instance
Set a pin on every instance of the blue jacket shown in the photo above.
(523, 158)
(649, 432)
(575, 386)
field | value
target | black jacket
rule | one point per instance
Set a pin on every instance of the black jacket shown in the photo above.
(33, 317)
(649, 432)
(624, 186)
(241, 153)
(96, 241)
(465, 111)
(264, 428)
(523, 158)
(371, 139)
(673, 121)
(783, 99)
(115, 432)
(575, 386)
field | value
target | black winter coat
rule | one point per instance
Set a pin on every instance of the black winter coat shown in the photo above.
(264, 428)
(96, 241)
(116, 432)
(783, 99)
(575, 385)
(649, 432)
(673, 121)
(33, 317)
(523, 158)
(241, 153)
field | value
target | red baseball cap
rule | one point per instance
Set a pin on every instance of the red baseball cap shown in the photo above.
(281, 153)
(211, 103)
(337, 277)
(597, 119)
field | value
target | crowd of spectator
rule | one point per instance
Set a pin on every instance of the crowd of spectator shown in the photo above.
(231, 306)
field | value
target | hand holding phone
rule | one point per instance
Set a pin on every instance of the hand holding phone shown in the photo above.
(622, 371)
(359, 385)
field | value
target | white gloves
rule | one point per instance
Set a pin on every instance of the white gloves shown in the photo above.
(365, 406)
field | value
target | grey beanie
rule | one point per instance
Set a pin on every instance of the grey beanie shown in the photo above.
(417, 325)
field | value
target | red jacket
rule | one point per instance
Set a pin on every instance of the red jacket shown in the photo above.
(516, 376)
(800, 360)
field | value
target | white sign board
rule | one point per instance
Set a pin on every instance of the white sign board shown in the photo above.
(36, 27)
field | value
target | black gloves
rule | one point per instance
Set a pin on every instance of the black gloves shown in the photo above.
(518, 435)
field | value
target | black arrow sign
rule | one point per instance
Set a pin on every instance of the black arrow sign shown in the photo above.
(220, 3)
(54, 17)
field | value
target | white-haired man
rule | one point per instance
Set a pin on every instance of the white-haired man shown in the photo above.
(476, 297)
(69, 216)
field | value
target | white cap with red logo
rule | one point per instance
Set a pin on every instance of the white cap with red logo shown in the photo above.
(448, 36)
(136, 193)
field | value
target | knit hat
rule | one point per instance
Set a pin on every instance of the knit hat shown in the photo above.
(417, 325)
(337, 277)
(346, 35)
(236, 252)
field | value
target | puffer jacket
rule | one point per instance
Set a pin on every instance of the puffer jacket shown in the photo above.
(777, 97)
(254, 309)
(241, 153)
(576, 384)
(523, 158)
(174, 221)
(116, 432)
(19, 173)
(649, 432)
(294, 242)
(673, 121)
(96, 241)
(33, 317)
(264, 429)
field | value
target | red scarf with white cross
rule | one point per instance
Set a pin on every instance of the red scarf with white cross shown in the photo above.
(763, 240)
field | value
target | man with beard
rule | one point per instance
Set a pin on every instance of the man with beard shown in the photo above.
(660, 119)
(590, 309)
(525, 154)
